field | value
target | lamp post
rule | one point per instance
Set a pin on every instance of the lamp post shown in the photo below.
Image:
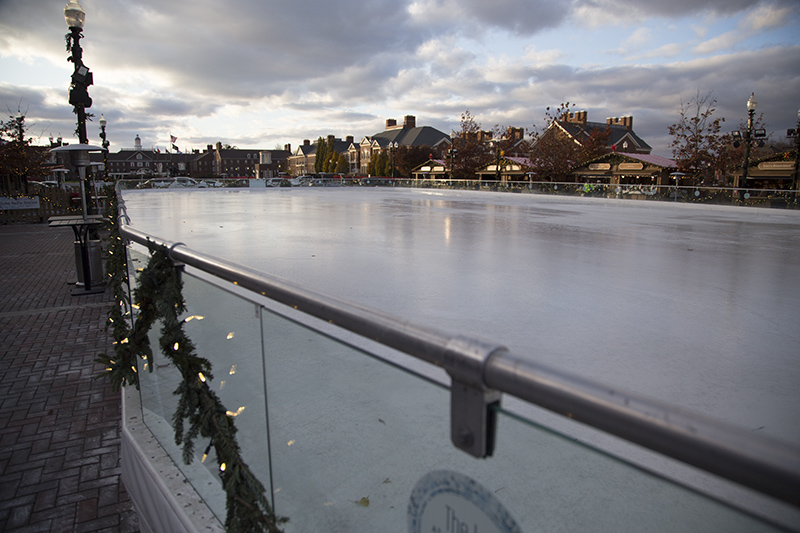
(497, 153)
(74, 15)
(105, 144)
(748, 134)
(451, 154)
(392, 147)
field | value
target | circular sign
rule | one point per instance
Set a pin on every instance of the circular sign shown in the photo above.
(448, 502)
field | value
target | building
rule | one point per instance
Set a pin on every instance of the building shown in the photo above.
(777, 171)
(303, 161)
(621, 137)
(506, 168)
(408, 134)
(227, 162)
(213, 162)
(628, 168)
(435, 169)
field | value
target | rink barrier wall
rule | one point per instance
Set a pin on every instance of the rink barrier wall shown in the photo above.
(482, 371)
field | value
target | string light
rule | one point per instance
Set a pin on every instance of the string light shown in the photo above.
(232, 370)
(236, 413)
(222, 467)
(230, 335)
(193, 317)
(201, 376)
(176, 346)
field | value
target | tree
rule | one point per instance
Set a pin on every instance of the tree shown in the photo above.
(342, 166)
(554, 152)
(321, 156)
(697, 144)
(408, 157)
(19, 160)
(472, 153)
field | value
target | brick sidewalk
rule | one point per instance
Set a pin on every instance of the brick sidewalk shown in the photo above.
(59, 427)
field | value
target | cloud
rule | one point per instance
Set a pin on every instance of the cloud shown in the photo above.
(765, 17)
(284, 71)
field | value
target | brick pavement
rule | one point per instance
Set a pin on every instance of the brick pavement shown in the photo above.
(59, 427)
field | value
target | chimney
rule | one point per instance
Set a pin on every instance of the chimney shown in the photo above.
(390, 123)
(219, 146)
(581, 117)
(287, 147)
(306, 142)
(349, 140)
(331, 139)
(516, 133)
(410, 122)
(628, 122)
(209, 148)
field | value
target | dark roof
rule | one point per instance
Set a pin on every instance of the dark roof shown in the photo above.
(418, 136)
(339, 146)
(618, 133)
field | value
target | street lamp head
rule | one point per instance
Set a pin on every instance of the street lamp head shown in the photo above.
(74, 14)
(102, 121)
(752, 102)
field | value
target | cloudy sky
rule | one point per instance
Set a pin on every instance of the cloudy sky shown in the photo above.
(264, 73)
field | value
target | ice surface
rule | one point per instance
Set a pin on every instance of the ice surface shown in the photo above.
(691, 304)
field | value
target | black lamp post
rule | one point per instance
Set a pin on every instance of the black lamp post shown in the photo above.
(74, 15)
(451, 154)
(81, 77)
(392, 148)
(497, 153)
(105, 144)
(751, 111)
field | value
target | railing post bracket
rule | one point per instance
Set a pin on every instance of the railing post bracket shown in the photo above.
(472, 404)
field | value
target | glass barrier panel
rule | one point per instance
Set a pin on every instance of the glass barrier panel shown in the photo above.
(357, 444)
(226, 330)
(566, 485)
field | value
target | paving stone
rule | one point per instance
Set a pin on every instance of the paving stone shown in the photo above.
(59, 426)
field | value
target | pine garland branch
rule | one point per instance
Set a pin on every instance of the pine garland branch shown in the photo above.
(200, 412)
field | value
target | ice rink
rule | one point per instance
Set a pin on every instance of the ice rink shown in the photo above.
(695, 305)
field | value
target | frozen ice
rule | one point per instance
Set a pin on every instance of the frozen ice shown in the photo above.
(694, 305)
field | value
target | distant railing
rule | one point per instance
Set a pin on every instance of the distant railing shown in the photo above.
(479, 373)
(751, 197)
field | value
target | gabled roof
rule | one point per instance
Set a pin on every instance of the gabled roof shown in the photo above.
(619, 133)
(431, 162)
(310, 149)
(524, 163)
(418, 136)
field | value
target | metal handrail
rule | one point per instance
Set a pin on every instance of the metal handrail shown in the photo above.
(768, 466)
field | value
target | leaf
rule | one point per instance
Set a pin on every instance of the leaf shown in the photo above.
(363, 501)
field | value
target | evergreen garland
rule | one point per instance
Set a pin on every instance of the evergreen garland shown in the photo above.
(159, 296)
(121, 369)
